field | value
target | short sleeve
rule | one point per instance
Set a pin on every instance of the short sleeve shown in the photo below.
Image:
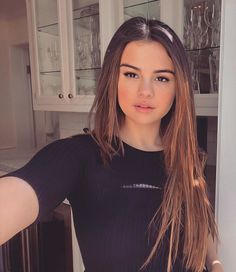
(53, 172)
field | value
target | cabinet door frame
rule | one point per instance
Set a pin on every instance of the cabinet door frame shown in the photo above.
(40, 100)
(110, 16)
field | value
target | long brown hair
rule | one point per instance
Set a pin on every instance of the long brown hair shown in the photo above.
(185, 207)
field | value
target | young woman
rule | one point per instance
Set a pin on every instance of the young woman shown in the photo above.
(135, 181)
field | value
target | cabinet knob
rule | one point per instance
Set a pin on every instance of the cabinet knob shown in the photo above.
(60, 96)
(70, 95)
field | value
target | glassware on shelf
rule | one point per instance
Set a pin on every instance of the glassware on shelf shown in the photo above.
(195, 30)
(212, 20)
(196, 23)
(86, 38)
(202, 23)
(193, 60)
(204, 39)
(202, 35)
(214, 71)
(48, 39)
(188, 30)
(204, 66)
(80, 10)
(86, 47)
(49, 49)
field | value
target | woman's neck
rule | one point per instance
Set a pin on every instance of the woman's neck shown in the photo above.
(144, 137)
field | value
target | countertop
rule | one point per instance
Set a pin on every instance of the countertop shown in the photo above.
(11, 160)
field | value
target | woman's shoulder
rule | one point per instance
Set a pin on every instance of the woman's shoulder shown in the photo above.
(83, 142)
(75, 146)
(82, 139)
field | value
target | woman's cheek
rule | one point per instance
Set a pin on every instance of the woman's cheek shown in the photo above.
(123, 92)
(122, 98)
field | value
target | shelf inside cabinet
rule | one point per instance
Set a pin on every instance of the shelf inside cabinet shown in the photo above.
(50, 28)
(202, 48)
(150, 9)
(84, 12)
(204, 66)
(49, 72)
(87, 42)
(206, 104)
(88, 69)
(135, 3)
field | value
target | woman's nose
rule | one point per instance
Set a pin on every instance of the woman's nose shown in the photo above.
(146, 89)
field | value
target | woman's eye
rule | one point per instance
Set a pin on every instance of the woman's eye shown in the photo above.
(131, 75)
(162, 79)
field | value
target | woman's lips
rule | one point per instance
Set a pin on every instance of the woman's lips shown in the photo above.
(143, 108)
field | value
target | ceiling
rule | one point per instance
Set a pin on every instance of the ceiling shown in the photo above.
(12, 8)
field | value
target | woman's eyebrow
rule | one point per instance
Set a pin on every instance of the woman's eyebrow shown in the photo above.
(156, 71)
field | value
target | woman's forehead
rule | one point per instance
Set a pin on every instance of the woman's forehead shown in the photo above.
(146, 53)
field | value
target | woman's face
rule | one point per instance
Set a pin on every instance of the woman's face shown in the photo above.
(146, 86)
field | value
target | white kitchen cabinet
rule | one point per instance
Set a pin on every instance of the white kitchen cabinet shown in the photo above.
(49, 60)
(68, 39)
(67, 42)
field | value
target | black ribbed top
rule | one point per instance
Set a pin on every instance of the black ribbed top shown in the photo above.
(112, 205)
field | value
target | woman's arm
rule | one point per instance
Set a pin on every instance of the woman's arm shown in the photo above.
(18, 207)
(212, 260)
(37, 188)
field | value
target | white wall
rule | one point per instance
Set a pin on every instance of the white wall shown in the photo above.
(13, 31)
(226, 160)
(21, 98)
(72, 123)
(17, 120)
(7, 131)
(211, 140)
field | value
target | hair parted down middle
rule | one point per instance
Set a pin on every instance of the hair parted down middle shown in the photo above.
(185, 212)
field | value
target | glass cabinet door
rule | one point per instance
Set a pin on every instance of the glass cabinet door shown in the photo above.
(147, 9)
(48, 47)
(86, 41)
(202, 43)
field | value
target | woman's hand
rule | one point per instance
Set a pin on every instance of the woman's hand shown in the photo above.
(212, 260)
(216, 267)
(18, 207)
